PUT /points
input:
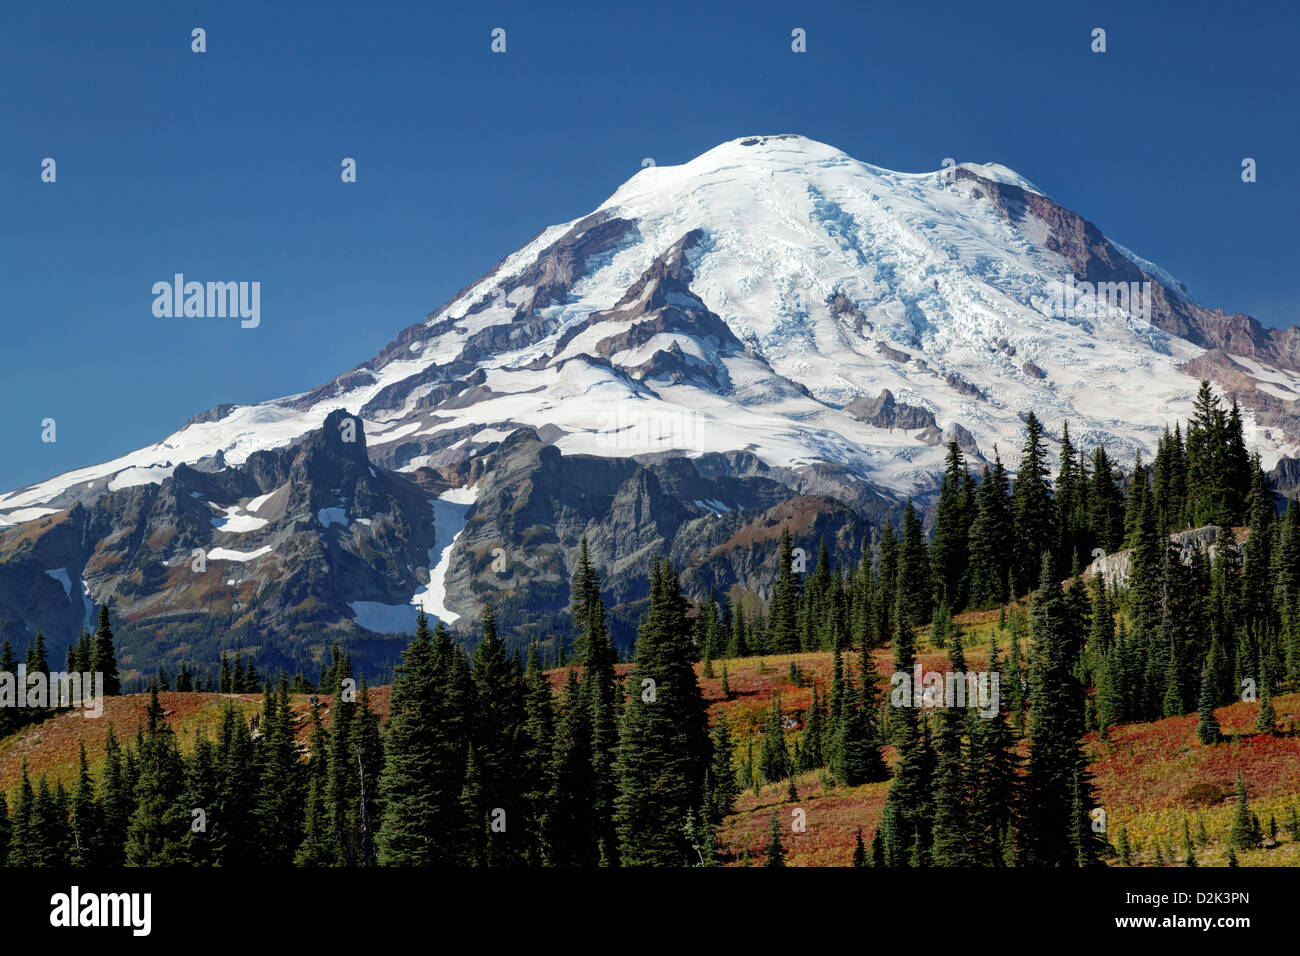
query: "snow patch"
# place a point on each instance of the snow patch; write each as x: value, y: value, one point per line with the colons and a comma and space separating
x: 228, y: 554
x: 331, y: 516
x: 61, y: 575
x: 146, y: 475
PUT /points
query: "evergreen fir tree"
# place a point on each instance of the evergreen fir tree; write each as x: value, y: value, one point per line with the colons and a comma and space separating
x: 915, y: 592
x: 1033, y: 513
x: 281, y: 796
x: 424, y: 759
x: 664, y: 736
x: 954, y: 515
x: 774, y: 757
x: 1056, y: 779
x: 570, y: 827
x: 723, y: 788
x: 1207, y: 727
x: 87, y: 821
x: 787, y: 595
x: 1266, y: 718
x: 1243, y: 835
x: 103, y: 656
x: 156, y: 834
x: 318, y: 842
x: 774, y: 854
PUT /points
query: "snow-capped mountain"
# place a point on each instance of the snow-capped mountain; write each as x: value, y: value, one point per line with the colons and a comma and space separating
x: 773, y: 310
x: 742, y: 301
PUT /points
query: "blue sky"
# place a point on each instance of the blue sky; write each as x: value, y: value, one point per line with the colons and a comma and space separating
x: 225, y: 165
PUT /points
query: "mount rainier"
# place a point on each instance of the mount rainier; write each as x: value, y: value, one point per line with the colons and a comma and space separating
x: 771, y: 334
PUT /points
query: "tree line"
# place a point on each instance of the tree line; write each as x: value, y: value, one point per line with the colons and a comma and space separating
x: 482, y: 763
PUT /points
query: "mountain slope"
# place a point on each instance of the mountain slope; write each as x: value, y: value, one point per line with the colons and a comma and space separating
x: 772, y: 313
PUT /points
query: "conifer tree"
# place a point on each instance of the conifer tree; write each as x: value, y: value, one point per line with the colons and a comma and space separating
x: 424, y: 758
x: 600, y: 694
x: 908, y: 805
x: 281, y: 796
x: 664, y: 744
x: 118, y: 802
x: 1257, y: 594
x: 993, y: 778
x: 952, y: 796
x: 87, y: 821
x: 342, y: 785
x: 953, y: 518
x: 990, y: 538
x: 1266, y: 718
x: 475, y: 810
x: 24, y: 841
x: 1106, y: 504
x: 317, y: 848
x: 774, y: 756
x: 915, y: 590
x: 1207, y: 727
x: 774, y: 855
x: 723, y: 787
x: 1033, y: 513
x: 156, y: 834
x: 570, y: 823
x: 497, y: 738
x: 103, y: 656
x: 787, y: 596
x: 1055, y: 781
x: 537, y: 746
x: 1243, y: 835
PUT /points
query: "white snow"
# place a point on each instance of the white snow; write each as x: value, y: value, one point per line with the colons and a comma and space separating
x: 19, y: 515
x: 255, y: 504
x: 61, y: 575
x: 149, y: 474
x: 329, y: 516
x: 227, y: 554
x: 88, y: 604
x: 234, y: 521
x: 489, y: 435
x: 449, y: 511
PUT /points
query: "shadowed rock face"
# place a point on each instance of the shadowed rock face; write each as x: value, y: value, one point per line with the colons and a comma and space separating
x: 1285, y: 476
x: 705, y: 514
x: 259, y: 555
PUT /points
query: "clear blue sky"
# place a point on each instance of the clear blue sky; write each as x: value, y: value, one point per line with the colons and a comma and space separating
x: 225, y: 165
